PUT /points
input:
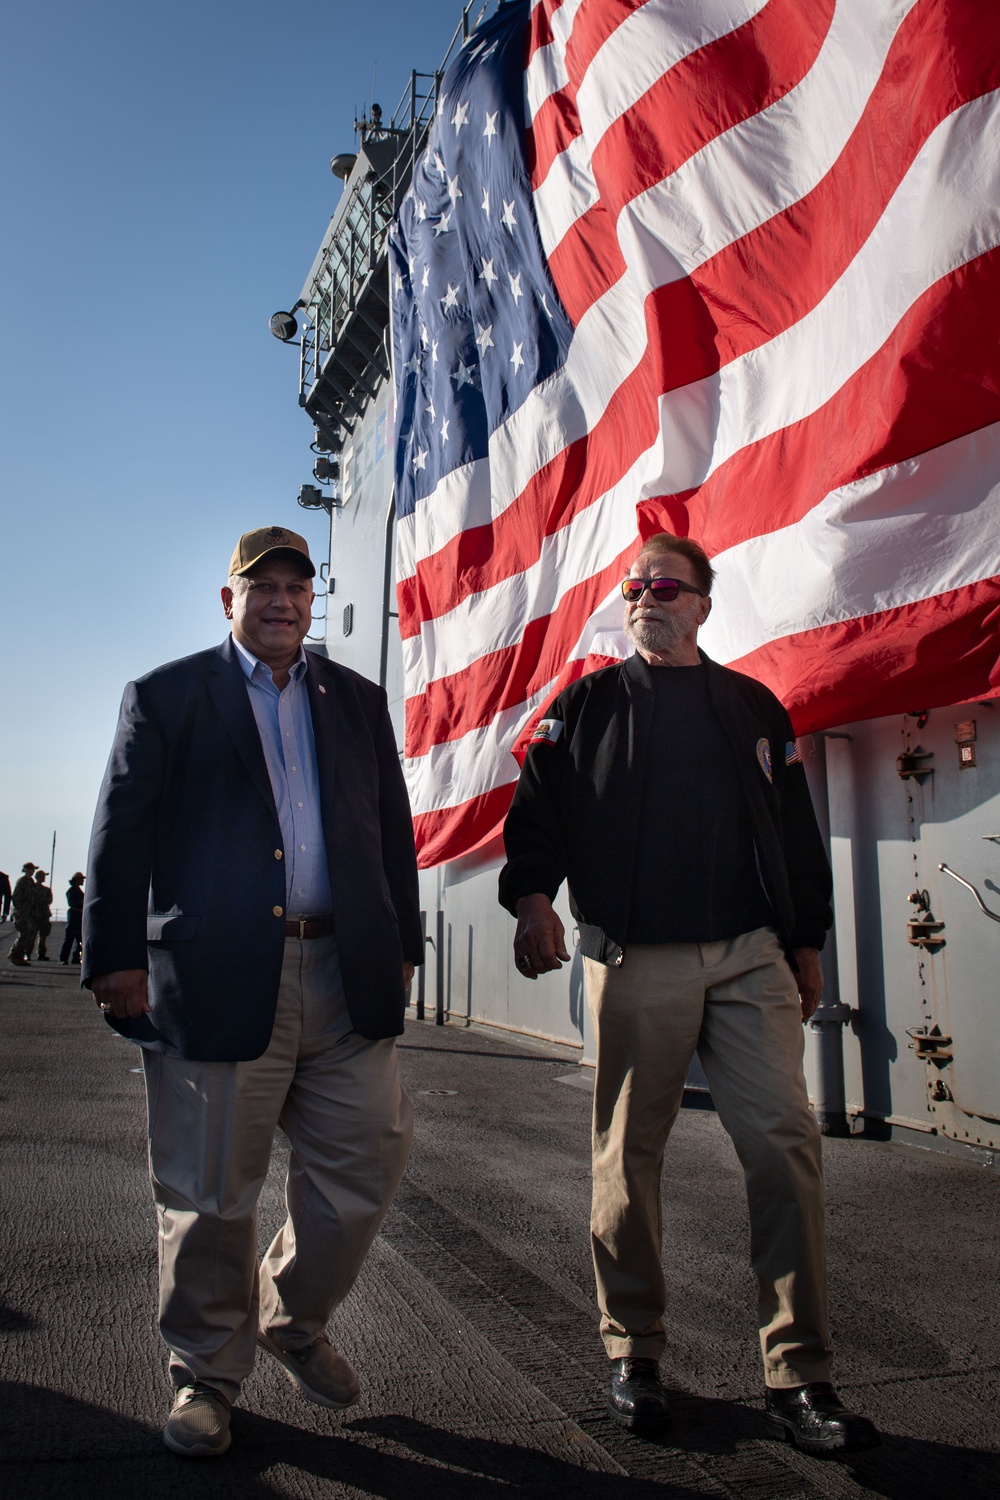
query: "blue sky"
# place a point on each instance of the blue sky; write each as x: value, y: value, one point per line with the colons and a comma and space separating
x: 166, y: 184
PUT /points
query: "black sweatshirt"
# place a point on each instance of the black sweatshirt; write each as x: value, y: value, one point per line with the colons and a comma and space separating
x: 577, y: 813
x: 696, y: 877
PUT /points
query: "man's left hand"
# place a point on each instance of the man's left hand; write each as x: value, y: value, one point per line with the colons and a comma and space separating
x: 809, y: 979
x: 407, y: 973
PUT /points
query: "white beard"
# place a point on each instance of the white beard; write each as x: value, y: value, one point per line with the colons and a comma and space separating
x: 661, y: 634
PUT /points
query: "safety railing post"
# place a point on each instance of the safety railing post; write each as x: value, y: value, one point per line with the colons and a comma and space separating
x: 422, y: 971
x: 439, y: 972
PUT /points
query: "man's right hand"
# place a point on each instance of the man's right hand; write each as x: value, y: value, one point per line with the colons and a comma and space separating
x: 539, y: 939
x: 124, y: 993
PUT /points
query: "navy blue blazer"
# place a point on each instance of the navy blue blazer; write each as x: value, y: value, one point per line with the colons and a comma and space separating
x: 186, y: 875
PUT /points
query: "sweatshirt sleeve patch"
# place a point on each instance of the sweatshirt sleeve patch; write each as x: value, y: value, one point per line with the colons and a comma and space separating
x: 546, y: 731
x: 793, y: 755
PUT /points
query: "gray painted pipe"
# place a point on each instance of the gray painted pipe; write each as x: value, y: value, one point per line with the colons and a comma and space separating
x: 826, y: 1026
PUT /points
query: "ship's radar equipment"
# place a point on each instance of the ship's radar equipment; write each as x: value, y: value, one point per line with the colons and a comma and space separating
x: 342, y: 164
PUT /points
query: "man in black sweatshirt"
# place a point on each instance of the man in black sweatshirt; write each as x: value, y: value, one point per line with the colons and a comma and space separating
x: 670, y: 794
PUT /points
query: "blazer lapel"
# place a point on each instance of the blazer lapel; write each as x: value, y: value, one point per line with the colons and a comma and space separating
x: 322, y: 688
x: 228, y: 690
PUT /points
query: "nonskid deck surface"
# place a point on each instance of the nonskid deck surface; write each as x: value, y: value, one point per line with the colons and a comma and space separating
x: 472, y: 1324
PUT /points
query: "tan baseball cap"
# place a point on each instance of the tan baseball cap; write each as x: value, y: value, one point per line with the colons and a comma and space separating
x: 254, y: 546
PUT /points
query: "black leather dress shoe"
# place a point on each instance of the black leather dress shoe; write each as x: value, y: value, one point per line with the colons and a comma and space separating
x: 814, y: 1418
x: 638, y: 1400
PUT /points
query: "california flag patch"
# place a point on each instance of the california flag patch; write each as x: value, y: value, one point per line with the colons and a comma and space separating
x: 546, y: 731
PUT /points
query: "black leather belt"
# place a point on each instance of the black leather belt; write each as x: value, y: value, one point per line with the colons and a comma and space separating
x: 309, y: 927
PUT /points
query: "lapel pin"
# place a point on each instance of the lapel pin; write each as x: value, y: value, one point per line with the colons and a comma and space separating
x: 321, y: 688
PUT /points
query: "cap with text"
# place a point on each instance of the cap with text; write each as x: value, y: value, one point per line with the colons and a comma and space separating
x: 269, y: 541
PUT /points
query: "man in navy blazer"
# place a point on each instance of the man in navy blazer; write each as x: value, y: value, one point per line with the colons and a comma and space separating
x: 252, y: 922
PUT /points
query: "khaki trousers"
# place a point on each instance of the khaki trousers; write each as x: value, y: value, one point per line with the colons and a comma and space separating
x: 736, y: 1004
x: 338, y: 1099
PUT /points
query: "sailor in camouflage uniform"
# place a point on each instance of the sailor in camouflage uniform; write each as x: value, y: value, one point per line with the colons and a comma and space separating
x: 23, y: 904
x: 43, y: 914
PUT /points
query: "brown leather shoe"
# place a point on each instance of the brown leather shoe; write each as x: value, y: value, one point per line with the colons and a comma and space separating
x: 814, y: 1418
x: 321, y: 1374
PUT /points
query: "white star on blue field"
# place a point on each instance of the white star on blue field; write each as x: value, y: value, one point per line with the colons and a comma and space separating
x: 476, y: 322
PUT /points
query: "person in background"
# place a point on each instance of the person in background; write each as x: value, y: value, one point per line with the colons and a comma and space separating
x: 72, y: 943
x: 5, y: 895
x: 23, y: 907
x: 43, y: 915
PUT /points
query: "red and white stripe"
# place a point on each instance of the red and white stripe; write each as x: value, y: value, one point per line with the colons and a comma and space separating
x: 776, y: 229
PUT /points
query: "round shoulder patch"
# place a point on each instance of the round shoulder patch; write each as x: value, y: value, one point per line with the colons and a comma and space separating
x: 764, y: 756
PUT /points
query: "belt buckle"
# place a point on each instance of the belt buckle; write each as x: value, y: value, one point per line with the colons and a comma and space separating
x: 302, y: 927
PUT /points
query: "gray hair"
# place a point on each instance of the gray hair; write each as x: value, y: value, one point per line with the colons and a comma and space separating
x: 663, y: 543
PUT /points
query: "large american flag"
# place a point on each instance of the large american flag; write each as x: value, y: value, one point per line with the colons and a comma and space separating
x: 728, y: 268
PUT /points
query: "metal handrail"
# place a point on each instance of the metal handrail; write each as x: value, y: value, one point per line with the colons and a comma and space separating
x: 993, y: 916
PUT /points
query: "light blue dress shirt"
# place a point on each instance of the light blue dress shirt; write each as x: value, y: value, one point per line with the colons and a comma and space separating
x: 284, y: 723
